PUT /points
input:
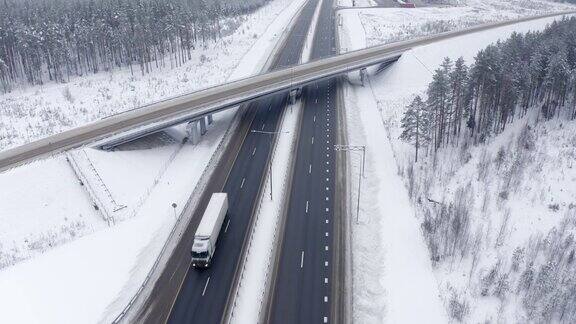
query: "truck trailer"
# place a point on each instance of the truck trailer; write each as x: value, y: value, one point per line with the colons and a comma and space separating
x: 207, y: 232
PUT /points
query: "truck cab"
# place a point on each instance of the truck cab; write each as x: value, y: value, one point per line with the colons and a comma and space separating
x: 201, y: 252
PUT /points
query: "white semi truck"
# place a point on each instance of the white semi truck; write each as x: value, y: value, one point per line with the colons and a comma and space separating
x: 207, y: 232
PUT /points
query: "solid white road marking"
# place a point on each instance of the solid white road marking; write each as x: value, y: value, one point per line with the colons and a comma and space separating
x: 227, y: 224
x: 242, y: 184
x: 205, y: 286
x: 302, y: 260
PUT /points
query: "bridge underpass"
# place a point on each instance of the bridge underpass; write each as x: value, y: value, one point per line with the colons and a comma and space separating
x: 198, y: 126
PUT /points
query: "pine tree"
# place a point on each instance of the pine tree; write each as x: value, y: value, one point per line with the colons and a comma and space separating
x: 458, y: 83
x: 438, y: 103
x: 416, y: 125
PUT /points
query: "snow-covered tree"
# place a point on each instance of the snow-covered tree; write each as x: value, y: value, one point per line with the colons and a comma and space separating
x: 416, y: 125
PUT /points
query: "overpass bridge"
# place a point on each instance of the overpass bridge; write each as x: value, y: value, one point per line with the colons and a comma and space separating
x: 194, y: 106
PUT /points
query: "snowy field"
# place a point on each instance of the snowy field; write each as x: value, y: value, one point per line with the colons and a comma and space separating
x: 384, y: 25
x: 32, y: 112
x: 60, y: 261
x: 393, y: 278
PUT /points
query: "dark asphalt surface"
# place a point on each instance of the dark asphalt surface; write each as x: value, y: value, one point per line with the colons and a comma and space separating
x: 203, y: 294
x: 302, y: 289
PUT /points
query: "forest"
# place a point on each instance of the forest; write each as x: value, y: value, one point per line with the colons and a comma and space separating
x: 536, y: 70
x: 499, y: 231
x: 58, y: 39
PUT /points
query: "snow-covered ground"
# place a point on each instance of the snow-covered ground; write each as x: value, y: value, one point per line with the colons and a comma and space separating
x: 384, y: 25
x: 32, y: 112
x: 43, y: 205
x: 393, y: 279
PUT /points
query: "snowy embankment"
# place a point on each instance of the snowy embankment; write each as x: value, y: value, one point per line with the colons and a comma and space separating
x: 43, y: 205
x: 393, y: 279
x: 258, y: 264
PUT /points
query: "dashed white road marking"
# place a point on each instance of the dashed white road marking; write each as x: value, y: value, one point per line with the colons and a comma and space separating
x: 326, y: 234
x: 325, y: 263
x: 327, y: 209
x: 263, y: 124
x: 326, y: 248
x: 325, y: 280
x: 242, y: 184
x: 306, y: 206
x: 254, y: 152
x: 314, y: 118
x: 312, y: 140
x: 325, y: 299
x: 310, y: 169
x: 302, y: 260
x: 327, y: 221
x: 227, y: 224
x: 325, y: 319
x: 205, y: 286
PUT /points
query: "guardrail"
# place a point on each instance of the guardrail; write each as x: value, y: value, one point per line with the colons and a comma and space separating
x: 85, y: 182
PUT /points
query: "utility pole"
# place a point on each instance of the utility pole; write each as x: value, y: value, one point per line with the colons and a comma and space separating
x: 270, y: 161
x: 361, y: 174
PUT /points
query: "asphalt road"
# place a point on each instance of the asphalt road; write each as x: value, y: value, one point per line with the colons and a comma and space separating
x: 202, y: 295
x: 304, y: 281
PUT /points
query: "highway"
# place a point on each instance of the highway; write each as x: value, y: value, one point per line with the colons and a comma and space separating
x: 187, y: 295
x: 302, y: 288
x: 200, y: 103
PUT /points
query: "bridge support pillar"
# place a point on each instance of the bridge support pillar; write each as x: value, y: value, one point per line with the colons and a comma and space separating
x: 193, y: 131
x: 202, y: 126
x: 363, y: 74
x: 210, y: 119
x: 294, y: 95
